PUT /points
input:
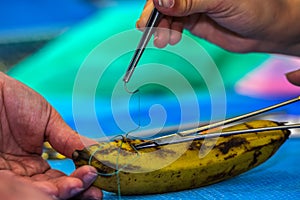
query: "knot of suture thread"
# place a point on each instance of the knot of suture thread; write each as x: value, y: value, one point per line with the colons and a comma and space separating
x: 123, y: 139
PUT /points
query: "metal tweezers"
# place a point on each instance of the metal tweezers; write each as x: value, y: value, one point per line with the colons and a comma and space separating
x: 150, y: 27
x: 195, y: 134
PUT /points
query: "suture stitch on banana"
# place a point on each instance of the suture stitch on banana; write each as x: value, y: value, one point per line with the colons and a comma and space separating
x: 123, y: 138
x: 117, y: 162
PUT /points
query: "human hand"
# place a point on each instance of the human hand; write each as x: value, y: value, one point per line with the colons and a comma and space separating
x: 13, y: 189
x: 238, y: 26
x: 27, y: 120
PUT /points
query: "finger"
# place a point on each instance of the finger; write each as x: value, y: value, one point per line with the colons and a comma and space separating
x: 90, y: 193
x: 68, y: 187
x: 184, y: 7
x: 56, y: 183
x: 87, y: 174
x: 162, y: 33
x: 79, y: 181
x: 141, y: 22
x: 60, y: 188
x: 294, y: 77
x: 62, y: 138
x: 176, y: 31
x: 46, y: 187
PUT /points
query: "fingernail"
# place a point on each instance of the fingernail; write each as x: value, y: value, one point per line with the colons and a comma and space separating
x: 166, y: 3
x: 54, y: 197
x: 76, y: 191
x: 89, y: 177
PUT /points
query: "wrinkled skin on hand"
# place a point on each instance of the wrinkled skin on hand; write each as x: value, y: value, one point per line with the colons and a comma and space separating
x: 13, y: 189
x: 27, y: 120
x: 238, y: 26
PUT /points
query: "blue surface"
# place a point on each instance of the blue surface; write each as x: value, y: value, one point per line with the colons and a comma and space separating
x: 31, y: 19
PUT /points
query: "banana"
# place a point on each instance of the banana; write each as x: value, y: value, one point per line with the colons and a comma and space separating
x: 50, y: 154
x: 124, y: 170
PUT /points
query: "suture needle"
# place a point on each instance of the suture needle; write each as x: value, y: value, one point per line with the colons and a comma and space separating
x: 149, y: 30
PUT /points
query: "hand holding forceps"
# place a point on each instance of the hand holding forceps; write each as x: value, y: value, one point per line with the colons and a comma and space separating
x: 150, y: 26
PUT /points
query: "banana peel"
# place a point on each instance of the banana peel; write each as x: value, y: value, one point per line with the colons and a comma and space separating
x: 175, y: 167
x: 50, y: 154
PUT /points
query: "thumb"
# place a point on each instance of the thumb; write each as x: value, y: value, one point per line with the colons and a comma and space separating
x: 182, y: 8
x: 62, y: 138
x: 294, y: 77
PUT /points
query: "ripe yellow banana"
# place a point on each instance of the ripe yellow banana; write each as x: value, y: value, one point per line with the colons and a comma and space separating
x: 179, y: 166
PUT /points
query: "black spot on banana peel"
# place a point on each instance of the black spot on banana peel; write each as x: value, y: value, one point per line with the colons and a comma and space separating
x: 180, y: 166
x: 224, y: 147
